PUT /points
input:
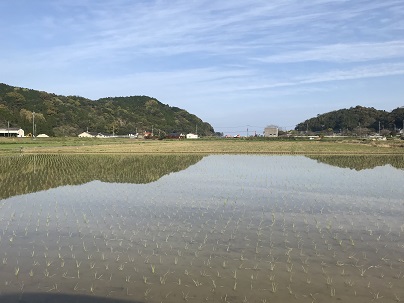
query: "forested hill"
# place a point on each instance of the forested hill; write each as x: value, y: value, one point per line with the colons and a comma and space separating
x: 362, y: 119
x: 57, y: 115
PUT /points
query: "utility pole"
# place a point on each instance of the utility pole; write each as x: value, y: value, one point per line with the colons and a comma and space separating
x: 152, y: 130
x: 379, y: 128
x: 33, y: 125
x: 8, y: 128
x: 247, y: 132
x: 196, y: 129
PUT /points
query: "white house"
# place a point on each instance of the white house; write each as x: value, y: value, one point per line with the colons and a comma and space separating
x: 192, y: 136
x: 12, y: 132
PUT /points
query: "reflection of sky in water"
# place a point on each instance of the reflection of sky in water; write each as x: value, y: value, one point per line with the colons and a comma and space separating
x: 229, y: 175
x: 233, y: 176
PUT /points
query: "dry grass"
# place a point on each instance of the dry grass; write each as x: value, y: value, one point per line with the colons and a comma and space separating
x: 217, y: 147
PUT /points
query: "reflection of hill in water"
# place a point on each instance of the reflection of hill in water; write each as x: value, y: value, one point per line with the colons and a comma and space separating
x: 361, y: 162
x: 32, y: 173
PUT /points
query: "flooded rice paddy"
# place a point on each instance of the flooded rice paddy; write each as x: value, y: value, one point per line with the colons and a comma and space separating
x: 221, y: 228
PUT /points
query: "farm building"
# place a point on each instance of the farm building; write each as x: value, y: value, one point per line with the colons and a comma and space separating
x: 271, y: 131
x: 104, y: 135
x: 12, y: 132
x: 88, y: 135
x: 192, y: 136
x: 175, y: 136
x: 147, y: 135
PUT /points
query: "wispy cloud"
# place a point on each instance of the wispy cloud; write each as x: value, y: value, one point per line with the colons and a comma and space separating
x: 341, y: 53
x: 220, y: 52
x: 372, y: 71
x: 126, y: 30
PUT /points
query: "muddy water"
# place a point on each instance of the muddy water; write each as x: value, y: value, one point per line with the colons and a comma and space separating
x: 227, y: 229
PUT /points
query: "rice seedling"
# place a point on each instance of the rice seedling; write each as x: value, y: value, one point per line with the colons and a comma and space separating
x: 16, y: 271
x: 185, y: 296
x: 376, y: 296
x: 274, y: 287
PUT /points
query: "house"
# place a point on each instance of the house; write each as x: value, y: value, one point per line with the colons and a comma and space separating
x: 88, y: 135
x: 192, y: 136
x: 103, y: 135
x: 12, y: 132
x: 175, y: 136
x: 147, y: 135
x: 271, y: 131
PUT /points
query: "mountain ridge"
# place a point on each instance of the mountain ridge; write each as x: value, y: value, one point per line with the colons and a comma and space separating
x: 59, y: 115
x: 357, y: 119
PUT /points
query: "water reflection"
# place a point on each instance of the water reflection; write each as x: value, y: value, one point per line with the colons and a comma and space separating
x: 32, y: 173
x: 359, y: 162
x: 228, y: 229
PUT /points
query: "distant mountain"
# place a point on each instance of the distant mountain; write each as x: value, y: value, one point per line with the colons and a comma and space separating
x: 358, y: 119
x: 58, y: 115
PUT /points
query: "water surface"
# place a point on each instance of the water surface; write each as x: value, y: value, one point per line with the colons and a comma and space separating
x: 208, y: 229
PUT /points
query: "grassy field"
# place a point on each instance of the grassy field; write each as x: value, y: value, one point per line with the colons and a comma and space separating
x: 205, y: 146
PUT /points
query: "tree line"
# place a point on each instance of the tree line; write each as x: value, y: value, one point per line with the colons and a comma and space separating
x: 359, y: 120
x: 58, y: 115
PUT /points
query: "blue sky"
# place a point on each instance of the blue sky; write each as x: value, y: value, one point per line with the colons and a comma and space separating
x: 236, y: 64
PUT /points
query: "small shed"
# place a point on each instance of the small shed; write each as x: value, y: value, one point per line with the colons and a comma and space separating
x: 192, y: 136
